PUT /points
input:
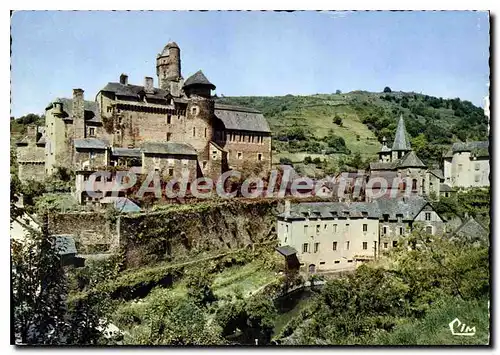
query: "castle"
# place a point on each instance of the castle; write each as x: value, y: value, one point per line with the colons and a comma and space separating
x: 174, y: 129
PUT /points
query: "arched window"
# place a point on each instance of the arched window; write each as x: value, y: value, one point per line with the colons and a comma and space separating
x: 414, y: 185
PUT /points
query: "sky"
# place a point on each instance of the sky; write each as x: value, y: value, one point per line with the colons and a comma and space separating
x: 443, y: 54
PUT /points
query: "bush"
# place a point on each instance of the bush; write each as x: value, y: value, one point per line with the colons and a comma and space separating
x: 285, y: 161
x: 308, y: 160
x: 337, y: 120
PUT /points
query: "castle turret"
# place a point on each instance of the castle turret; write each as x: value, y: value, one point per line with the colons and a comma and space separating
x: 198, y: 84
x: 401, y: 143
x: 168, y: 67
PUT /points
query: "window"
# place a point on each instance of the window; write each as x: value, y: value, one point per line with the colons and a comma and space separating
x: 92, y: 131
x: 322, y: 263
x: 318, y: 229
x: 477, y: 178
x: 386, y: 217
x: 347, y: 245
x: 204, y: 164
x: 169, y: 136
x: 259, y: 157
x: 428, y: 229
x: 194, y: 131
x: 399, y: 217
x: 194, y: 110
x: 385, y: 245
x: 365, y: 227
x: 316, y: 247
x: 347, y: 227
x: 92, y: 155
x: 325, y: 226
x: 240, y: 155
x: 446, y: 194
x: 304, y: 247
x: 427, y: 216
x: 349, y: 261
x: 109, y: 109
x: 365, y: 245
x: 334, y: 245
x: 205, y: 133
x: 384, y: 230
x: 400, y: 230
x: 305, y: 229
x: 169, y: 119
x: 334, y: 228
x: 337, y: 261
x: 414, y: 185
x: 170, y: 172
x: 394, y: 243
x: 476, y: 166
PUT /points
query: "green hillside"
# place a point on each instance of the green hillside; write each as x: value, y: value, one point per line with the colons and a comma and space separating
x: 301, y: 125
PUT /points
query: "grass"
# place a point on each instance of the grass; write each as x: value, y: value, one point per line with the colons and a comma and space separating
x: 245, y: 279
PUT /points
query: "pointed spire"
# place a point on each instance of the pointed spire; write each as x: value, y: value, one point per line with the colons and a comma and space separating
x: 401, y: 141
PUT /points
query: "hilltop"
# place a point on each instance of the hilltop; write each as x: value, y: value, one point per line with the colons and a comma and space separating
x: 320, y: 124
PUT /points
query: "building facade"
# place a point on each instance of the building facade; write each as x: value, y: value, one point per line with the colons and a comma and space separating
x: 171, y: 128
x: 467, y: 165
x: 329, y: 236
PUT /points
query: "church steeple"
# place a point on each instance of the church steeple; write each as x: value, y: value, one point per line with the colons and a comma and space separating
x: 401, y: 143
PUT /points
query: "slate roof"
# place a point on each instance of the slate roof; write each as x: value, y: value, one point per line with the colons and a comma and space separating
x: 198, y: 78
x: 121, y: 204
x: 286, y: 250
x: 169, y: 148
x: 65, y: 244
x: 410, y: 160
x: 401, y: 141
x: 92, y: 113
x: 90, y: 143
x: 383, y: 166
x: 241, y: 119
x: 409, y: 209
x: 437, y: 173
x: 445, y: 188
x: 470, y: 146
x: 385, y: 149
x: 134, y: 90
x: 332, y: 209
x: 471, y: 228
x: 127, y: 152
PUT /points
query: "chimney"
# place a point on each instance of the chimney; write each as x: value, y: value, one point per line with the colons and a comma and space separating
x: 124, y: 79
x: 148, y: 85
x: 287, y: 207
x: 78, y: 113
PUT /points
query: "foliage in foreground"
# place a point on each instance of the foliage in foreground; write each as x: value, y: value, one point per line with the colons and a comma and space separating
x: 374, y: 301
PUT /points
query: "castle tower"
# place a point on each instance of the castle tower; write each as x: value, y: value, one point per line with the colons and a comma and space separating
x: 401, y: 143
x: 168, y: 68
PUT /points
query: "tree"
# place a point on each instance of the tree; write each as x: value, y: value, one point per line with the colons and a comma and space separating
x: 38, y: 290
x: 308, y: 160
x: 199, y: 284
x: 387, y: 89
x: 285, y: 161
x: 337, y: 120
x: 338, y: 92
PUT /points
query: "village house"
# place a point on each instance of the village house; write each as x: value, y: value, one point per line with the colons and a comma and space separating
x: 329, y: 236
x: 467, y: 165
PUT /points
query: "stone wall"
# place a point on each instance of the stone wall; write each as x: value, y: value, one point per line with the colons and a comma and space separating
x: 177, y: 234
x: 195, y: 230
x: 94, y: 232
